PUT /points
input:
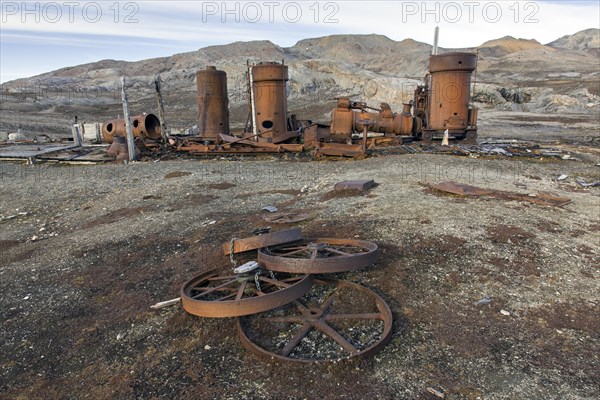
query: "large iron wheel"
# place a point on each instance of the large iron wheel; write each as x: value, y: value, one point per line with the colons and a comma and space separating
x: 223, y: 294
x: 319, y: 256
x: 333, y: 321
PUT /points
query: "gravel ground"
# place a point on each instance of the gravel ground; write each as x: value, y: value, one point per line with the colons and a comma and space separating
x: 85, y: 250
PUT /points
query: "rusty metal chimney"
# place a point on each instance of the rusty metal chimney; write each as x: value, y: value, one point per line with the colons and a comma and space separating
x: 436, y: 36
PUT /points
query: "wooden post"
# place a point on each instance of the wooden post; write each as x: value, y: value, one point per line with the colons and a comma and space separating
x: 161, y: 109
x: 98, y: 133
x: 76, y: 135
x: 128, y: 130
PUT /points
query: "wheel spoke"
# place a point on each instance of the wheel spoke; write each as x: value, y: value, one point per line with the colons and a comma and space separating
x: 332, y: 250
x: 230, y: 296
x: 273, y: 282
x: 292, y: 252
x: 241, y: 291
x: 332, y: 333
x: 214, y: 289
x: 292, y: 319
x: 291, y: 345
x: 328, y: 301
x: 221, y: 278
x: 300, y: 306
x: 353, y: 316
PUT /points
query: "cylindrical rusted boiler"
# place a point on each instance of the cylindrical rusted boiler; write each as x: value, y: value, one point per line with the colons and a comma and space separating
x: 146, y: 126
x: 213, y: 103
x: 450, y: 91
x: 269, y: 98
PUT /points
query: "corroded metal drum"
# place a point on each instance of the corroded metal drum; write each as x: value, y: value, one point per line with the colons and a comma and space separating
x: 270, y: 98
x: 213, y: 103
x: 450, y: 90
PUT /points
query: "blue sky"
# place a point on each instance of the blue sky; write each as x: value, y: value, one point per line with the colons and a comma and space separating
x: 37, y: 37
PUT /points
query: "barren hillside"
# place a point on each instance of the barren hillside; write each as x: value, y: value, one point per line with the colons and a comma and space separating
x: 562, y: 76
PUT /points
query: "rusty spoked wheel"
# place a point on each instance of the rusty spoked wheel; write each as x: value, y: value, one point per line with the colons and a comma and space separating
x: 217, y: 294
x: 333, y: 321
x: 319, y: 256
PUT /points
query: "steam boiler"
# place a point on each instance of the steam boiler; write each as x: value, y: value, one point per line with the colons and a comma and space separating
x: 268, y: 100
x: 443, y: 102
x: 213, y: 103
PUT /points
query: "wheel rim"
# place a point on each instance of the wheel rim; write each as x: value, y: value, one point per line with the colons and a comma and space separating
x: 319, y: 256
x: 348, y: 321
x: 216, y: 293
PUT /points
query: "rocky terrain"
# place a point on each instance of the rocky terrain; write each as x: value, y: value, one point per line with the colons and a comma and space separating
x: 561, y: 77
x: 491, y: 299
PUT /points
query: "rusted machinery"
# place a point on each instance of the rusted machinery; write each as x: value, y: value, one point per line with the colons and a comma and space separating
x: 443, y: 102
x: 275, y: 294
x: 213, y: 103
x: 346, y: 117
x: 268, y: 101
x: 145, y: 126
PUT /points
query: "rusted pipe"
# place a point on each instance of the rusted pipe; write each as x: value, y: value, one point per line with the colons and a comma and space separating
x: 145, y: 125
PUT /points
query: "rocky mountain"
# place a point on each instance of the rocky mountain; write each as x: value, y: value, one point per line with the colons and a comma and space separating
x: 562, y: 76
x: 587, y: 40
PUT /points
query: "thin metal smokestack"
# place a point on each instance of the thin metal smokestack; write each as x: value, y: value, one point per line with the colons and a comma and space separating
x: 435, y: 40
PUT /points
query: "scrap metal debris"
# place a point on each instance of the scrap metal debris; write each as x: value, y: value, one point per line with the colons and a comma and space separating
x: 262, y: 240
x: 360, y: 185
x: 461, y: 189
x: 286, y: 217
x: 591, y: 184
x: 326, y: 307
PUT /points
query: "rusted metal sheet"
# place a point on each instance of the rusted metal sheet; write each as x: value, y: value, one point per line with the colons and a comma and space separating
x: 339, y: 149
x: 221, y: 294
x: 468, y: 190
x: 213, y: 103
x: 361, y: 332
x: 461, y: 189
x: 319, y: 256
x: 361, y: 185
x: 145, y: 125
x: 267, y: 239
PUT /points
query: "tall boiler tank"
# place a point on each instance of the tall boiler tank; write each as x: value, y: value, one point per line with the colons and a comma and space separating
x: 269, y: 98
x: 213, y: 103
x: 450, y: 93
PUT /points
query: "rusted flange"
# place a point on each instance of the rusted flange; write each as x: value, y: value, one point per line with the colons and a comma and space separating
x: 286, y: 217
x: 319, y: 256
x: 267, y: 239
x: 335, y: 320
x: 222, y: 294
